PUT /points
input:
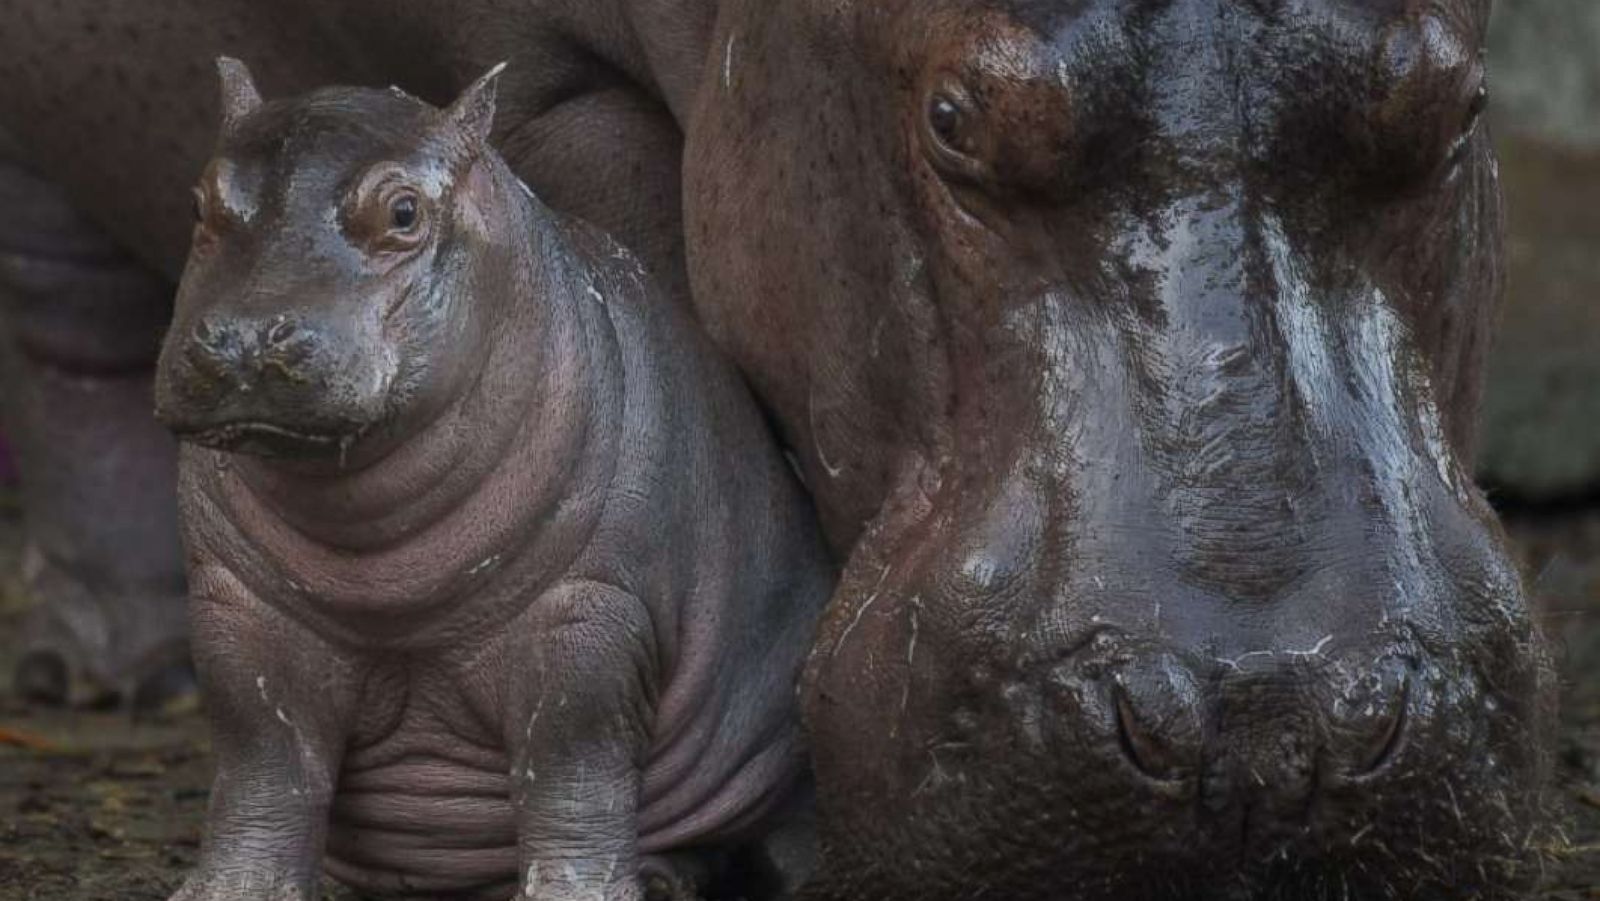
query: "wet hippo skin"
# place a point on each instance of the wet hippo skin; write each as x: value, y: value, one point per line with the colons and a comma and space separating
x: 498, y: 583
x: 1131, y: 351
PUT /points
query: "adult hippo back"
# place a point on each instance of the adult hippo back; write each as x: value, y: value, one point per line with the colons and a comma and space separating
x: 1131, y: 349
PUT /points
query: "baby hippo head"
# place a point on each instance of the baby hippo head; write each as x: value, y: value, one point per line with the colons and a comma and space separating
x: 341, y: 240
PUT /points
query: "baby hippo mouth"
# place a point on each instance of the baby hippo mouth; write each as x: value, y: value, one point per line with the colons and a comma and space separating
x: 307, y: 401
x: 267, y: 439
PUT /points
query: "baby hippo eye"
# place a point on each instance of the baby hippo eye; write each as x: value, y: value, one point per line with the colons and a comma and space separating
x: 387, y: 212
x: 403, y: 212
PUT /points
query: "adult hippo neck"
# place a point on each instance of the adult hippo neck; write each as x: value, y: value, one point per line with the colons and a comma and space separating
x: 1132, y: 351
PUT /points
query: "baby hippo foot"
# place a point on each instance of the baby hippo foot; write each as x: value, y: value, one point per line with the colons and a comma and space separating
x: 580, y: 881
x: 242, y: 886
x: 670, y: 877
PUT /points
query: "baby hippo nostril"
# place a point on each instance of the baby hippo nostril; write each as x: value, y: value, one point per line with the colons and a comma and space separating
x: 213, y: 352
x: 280, y: 332
x: 286, y: 344
x: 214, y: 339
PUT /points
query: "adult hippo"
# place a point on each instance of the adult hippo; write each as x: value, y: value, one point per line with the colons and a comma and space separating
x: 1131, y: 349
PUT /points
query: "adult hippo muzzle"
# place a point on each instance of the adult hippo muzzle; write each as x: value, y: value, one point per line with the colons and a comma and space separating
x: 1134, y: 348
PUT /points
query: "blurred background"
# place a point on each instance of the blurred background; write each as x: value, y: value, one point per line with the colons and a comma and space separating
x: 1540, y: 450
x: 97, y: 806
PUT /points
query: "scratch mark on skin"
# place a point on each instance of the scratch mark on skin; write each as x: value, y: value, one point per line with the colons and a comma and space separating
x: 911, y: 656
x: 1455, y: 805
x: 876, y: 589
x: 595, y: 294
x: 527, y: 739
x: 1314, y: 651
x: 816, y: 439
x: 484, y: 565
x: 727, y: 63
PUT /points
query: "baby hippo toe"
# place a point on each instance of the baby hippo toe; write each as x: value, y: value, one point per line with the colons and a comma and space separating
x: 242, y: 886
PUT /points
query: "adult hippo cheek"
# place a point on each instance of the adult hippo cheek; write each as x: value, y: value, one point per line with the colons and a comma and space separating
x: 1134, y: 351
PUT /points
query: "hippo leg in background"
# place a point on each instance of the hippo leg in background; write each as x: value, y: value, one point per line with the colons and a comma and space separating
x: 80, y: 325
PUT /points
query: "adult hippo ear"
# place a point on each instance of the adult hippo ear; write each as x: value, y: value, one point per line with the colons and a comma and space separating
x: 239, y: 95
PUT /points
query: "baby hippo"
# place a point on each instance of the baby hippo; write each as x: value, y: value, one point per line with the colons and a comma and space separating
x: 499, y: 582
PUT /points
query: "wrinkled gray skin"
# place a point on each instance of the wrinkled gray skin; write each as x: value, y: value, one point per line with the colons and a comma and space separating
x: 1139, y: 392
x: 497, y: 580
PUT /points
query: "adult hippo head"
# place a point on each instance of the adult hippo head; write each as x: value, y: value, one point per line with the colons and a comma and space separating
x: 1132, y: 348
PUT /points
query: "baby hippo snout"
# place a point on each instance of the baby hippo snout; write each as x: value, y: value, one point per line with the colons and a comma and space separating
x: 228, y: 352
x: 268, y: 384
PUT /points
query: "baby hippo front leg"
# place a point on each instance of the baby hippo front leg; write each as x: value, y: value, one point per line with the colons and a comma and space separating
x: 583, y: 674
x: 276, y: 696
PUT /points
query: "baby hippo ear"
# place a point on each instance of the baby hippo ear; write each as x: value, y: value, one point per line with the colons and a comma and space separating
x: 473, y: 111
x: 239, y: 95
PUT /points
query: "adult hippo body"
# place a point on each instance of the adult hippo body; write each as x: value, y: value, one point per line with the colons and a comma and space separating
x: 1131, y: 351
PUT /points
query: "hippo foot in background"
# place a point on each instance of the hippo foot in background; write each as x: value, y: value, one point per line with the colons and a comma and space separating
x: 81, y: 327
x: 86, y: 648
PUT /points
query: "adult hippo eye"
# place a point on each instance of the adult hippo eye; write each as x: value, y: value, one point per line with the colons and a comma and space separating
x: 944, y: 117
x: 951, y: 130
x: 1480, y: 105
x: 1469, y: 125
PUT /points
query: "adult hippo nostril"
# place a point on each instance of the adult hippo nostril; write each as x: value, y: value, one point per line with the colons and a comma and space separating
x: 1371, y: 724
x: 1159, y: 713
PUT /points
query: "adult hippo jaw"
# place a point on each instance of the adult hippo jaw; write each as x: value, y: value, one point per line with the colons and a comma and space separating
x: 319, y: 341
x: 1137, y: 363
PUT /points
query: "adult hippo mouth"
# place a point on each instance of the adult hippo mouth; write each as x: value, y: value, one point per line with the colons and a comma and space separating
x: 1135, y: 369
